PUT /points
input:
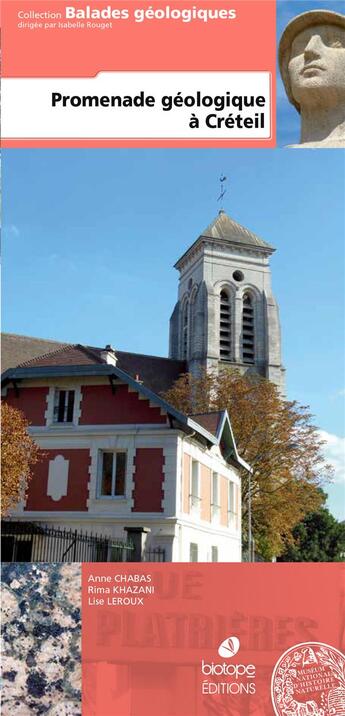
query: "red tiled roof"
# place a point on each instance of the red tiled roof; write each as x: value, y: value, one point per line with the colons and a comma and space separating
x: 155, y: 372
x: 67, y: 355
x: 16, y: 349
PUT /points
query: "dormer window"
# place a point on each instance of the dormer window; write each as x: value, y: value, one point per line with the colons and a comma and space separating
x: 63, y: 406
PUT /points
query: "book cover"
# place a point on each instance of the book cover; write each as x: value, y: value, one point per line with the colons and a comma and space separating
x: 173, y: 528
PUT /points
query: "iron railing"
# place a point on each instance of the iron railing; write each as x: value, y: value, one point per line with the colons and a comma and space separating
x: 157, y: 554
x: 32, y: 542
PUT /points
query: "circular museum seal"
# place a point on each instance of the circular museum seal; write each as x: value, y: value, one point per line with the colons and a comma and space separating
x: 309, y: 680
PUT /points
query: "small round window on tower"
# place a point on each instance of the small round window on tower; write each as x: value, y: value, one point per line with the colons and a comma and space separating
x: 238, y: 276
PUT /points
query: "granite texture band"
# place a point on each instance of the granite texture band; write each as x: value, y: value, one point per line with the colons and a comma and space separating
x: 41, y: 632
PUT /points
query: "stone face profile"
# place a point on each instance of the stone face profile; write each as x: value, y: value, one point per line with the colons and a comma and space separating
x: 312, y: 66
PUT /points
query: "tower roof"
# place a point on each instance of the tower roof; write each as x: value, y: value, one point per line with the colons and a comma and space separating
x: 227, y: 229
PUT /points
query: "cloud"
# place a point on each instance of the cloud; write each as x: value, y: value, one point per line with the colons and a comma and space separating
x: 61, y: 263
x: 334, y: 452
x: 338, y: 394
x: 11, y: 230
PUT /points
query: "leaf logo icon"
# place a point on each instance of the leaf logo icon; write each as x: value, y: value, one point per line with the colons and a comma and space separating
x: 229, y: 647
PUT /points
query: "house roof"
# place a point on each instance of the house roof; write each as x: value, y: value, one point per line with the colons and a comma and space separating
x: 209, y: 421
x: 17, y: 349
x: 75, y: 359
x: 66, y: 355
x: 156, y: 372
x: 218, y: 424
x: 224, y: 228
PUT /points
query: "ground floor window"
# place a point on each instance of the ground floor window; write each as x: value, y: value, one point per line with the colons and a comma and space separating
x: 193, y: 552
x: 214, y: 554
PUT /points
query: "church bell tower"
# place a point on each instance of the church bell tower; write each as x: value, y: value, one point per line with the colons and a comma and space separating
x: 226, y: 313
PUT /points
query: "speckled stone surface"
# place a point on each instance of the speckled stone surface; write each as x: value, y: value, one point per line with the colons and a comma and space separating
x: 41, y: 639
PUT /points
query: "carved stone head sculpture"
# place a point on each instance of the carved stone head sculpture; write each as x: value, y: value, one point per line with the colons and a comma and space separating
x: 312, y: 66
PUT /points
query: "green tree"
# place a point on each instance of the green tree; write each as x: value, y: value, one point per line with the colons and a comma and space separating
x: 276, y: 437
x: 319, y: 537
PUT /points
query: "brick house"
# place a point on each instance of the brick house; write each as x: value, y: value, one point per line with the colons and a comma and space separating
x: 120, y: 460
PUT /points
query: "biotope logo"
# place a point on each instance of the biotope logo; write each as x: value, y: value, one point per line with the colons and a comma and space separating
x: 229, y: 647
x: 240, y: 677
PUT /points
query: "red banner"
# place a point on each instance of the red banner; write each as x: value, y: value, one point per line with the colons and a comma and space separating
x: 176, y: 640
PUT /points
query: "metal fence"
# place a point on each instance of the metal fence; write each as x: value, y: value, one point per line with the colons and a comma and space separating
x: 157, y: 554
x: 31, y: 542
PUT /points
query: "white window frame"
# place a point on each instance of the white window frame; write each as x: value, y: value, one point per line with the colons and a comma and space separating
x: 195, y: 499
x: 232, y: 513
x: 113, y: 477
x: 57, y: 393
x: 51, y: 401
x: 215, y: 499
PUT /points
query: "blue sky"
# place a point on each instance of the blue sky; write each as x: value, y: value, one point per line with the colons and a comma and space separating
x: 288, y: 122
x: 91, y: 236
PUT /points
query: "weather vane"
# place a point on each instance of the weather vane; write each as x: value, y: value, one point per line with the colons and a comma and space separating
x: 222, y: 180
